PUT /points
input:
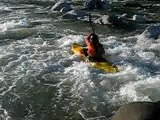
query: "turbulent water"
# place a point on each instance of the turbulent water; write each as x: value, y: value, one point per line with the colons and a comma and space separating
x: 41, y: 80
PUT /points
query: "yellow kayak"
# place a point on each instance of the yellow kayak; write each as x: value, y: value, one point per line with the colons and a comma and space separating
x: 105, y: 66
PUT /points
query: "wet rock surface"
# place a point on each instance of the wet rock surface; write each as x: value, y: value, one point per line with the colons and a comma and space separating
x: 138, y: 111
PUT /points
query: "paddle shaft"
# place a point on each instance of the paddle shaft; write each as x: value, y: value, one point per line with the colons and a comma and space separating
x: 90, y: 20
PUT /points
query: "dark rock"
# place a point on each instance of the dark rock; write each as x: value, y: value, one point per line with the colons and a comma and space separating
x: 132, y: 4
x: 140, y: 18
x: 110, y: 19
x: 152, y: 31
x: 65, y: 9
x: 96, y: 4
x: 138, y: 111
x: 118, y: 21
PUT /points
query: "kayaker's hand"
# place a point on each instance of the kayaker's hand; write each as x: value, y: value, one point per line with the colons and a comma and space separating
x: 87, y: 58
x: 84, y: 47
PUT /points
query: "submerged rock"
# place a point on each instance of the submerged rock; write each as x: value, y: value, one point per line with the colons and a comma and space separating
x: 75, y: 14
x: 138, y: 111
x: 152, y: 31
x: 93, y: 4
x: 62, y: 6
x: 140, y: 18
x: 96, y: 4
x: 132, y: 4
x: 118, y: 21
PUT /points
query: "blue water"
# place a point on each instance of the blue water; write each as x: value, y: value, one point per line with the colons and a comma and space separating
x: 41, y: 80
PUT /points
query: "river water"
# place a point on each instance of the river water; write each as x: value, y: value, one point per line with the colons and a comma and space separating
x: 41, y: 80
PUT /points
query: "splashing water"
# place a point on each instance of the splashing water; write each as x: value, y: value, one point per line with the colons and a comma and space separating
x: 41, y: 79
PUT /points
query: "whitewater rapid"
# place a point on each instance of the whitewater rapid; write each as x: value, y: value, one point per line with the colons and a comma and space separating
x: 39, y: 76
x: 138, y: 79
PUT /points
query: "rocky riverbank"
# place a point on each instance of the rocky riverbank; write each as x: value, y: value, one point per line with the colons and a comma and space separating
x: 123, y: 15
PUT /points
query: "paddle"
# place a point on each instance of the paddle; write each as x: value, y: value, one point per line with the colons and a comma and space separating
x: 90, y: 20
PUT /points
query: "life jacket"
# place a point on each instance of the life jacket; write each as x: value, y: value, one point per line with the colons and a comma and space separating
x: 94, y: 50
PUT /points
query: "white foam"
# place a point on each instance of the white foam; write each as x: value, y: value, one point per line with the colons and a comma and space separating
x: 155, y: 46
x: 146, y: 55
x: 78, y: 68
x: 138, y: 91
x: 23, y: 23
x: 6, y: 25
x: 66, y: 41
x: 84, y: 84
x: 4, y: 114
x: 5, y: 8
x: 13, y: 24
x: 146, y: 43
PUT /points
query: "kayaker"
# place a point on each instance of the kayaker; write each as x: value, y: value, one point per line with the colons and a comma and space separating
x: 94, y: 50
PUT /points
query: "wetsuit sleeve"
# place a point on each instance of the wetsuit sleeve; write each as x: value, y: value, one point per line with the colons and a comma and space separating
x: 102, y: 49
